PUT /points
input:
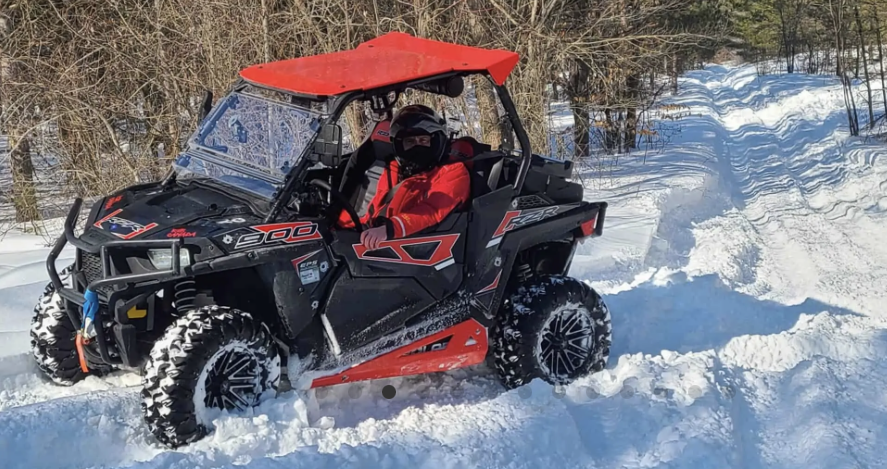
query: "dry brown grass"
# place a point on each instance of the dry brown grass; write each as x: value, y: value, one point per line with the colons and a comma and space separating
x: 117, y: 82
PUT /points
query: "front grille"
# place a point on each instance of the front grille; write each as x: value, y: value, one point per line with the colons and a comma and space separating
x: 91, y: 266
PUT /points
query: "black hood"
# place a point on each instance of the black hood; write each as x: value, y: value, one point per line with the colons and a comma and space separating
x: 184, y: 211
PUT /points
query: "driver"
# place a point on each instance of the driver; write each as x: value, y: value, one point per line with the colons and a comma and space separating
x: 416, y: 190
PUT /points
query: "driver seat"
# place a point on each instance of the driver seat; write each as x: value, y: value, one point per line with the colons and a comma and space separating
x: 364, y: 168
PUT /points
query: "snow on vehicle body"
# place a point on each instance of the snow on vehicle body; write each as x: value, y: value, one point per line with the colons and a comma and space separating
x: 212, y: 276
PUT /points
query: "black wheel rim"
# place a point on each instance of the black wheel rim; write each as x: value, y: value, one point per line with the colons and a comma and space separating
x: 231, y: 380
x: 565, y: 342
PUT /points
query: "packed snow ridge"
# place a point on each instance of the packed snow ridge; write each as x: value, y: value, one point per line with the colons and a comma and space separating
x: 745, y: 268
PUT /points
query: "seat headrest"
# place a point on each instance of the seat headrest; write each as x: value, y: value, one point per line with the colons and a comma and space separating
x: 463, y: 149
x: 381, y: 132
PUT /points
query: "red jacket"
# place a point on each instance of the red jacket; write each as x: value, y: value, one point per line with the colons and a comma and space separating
x: 421, y: 201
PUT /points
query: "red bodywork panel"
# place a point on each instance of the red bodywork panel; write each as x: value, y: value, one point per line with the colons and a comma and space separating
x: 443, y: 250
x: 386, y: 60
x: 467, y: 345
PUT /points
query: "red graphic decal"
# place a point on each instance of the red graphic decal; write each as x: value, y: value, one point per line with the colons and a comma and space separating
x: 299, y: 260
x: 113, y: 201
x: 180, y: 233
x: 493, y: 286
x: 287, y: 233
x: 98, y: 224
x: 137, y: 232
x: 518, y: 218
x: 442, y: 252
x: 466, y: 346
x: 506, y: 225
x: 116, y: 222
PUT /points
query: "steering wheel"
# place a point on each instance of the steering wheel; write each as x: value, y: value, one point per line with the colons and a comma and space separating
x: 346, y: 205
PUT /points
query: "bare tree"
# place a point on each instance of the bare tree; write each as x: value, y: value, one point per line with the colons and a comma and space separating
x: 836, y: 10
x: 865, y: 65
x: 881, y: 58
x: 118, y: 83
x: 21, y: 166
x: 790, y: 13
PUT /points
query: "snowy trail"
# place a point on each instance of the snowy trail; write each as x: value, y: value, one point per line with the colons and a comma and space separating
x: 745, y: 271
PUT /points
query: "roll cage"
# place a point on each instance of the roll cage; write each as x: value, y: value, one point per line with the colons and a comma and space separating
x: 295, y: 179
x: 391, y: 63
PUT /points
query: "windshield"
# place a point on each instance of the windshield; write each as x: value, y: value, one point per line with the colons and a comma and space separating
x: 250, y: 142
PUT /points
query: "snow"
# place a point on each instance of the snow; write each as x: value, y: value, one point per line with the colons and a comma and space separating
x: 744, y: 266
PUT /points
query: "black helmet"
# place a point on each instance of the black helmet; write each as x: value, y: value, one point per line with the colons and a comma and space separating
x: 415, y: 120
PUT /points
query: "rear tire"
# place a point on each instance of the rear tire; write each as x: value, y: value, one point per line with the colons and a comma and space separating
x: 555, y: 328
x: 213, y: 357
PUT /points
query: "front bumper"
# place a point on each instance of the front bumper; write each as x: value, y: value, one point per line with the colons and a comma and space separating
x: 122, y: 287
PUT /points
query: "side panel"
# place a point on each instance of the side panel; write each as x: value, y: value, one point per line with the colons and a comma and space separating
x: 361, y: 310
x: 462, y: 345
x: 439, y: 316
x: 299, y: 284
x: 433, y: 259
x: 486, y: 213
x: 291, y: 282
x: 518, y: 229
x: 497, y: 214
x: 565, y: 220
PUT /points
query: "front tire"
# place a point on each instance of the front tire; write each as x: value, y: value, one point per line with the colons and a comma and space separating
x: 555, y: 328
x: 213, y: 357
x: 53, y: 338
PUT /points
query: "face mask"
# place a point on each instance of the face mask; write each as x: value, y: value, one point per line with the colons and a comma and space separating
x: 417, y: 159
x: 419, y: 156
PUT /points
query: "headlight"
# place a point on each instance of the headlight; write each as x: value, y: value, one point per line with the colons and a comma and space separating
x: 162, y: 258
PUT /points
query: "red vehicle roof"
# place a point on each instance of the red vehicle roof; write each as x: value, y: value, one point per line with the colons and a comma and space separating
x: 386, y: 60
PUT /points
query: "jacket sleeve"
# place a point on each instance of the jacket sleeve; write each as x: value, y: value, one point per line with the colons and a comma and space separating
x: 450, y: 188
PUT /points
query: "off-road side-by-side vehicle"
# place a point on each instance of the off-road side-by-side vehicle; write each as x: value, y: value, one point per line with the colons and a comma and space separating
x: 211, y: 279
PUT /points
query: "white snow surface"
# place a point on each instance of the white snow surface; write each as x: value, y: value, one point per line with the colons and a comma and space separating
x: 745, y: 268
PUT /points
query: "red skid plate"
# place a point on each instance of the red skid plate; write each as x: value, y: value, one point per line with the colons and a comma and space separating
x: 462, y: 345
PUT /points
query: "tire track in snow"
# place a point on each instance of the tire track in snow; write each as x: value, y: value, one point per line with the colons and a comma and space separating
x: 23, y: 384
x: 773, y: 176
x: 745, y: 429
x: 425, y: 425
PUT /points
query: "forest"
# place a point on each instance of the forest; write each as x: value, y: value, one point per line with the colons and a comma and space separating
x: 96, y: 95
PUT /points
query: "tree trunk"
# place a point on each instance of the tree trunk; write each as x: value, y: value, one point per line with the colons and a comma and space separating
x: 839, y: 55
x: 675, y: 72
x: 632, y: 84
x: 880, y: 57
x: 610, y: 131
x: 812, y: 67
x: 865, y: 66
x: 24, y: 197
x: 789, y: 63
x: 837, y: 16
x: 488, y: 106
x: 856, y: 62
x: 579, y: 94
x: 827, y: 60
